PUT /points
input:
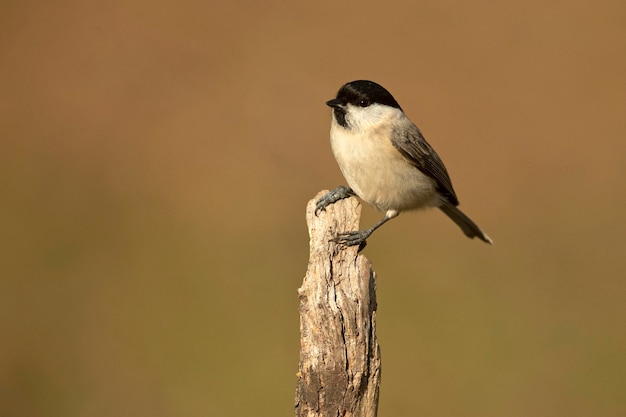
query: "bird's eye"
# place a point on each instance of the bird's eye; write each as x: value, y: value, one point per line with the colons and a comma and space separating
x: 364, y: 102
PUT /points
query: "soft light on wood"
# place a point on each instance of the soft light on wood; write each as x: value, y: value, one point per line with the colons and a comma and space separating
x: 339, y: 369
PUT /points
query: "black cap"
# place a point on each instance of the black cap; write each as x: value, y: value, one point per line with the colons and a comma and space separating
x: 363, y: 93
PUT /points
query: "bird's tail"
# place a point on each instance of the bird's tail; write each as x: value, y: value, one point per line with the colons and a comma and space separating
x: 465, y: 223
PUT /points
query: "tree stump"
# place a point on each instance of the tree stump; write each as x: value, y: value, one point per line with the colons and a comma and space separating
x: 339, y: 368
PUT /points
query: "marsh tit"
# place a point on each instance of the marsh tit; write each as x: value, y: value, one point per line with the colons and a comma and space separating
x: 386, y: 161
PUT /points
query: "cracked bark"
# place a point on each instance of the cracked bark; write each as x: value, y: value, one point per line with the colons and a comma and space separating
x: 339, y: 368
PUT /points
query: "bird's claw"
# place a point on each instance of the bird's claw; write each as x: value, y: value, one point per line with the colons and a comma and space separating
x: 321, y: 205
x: 351, y: 238
x: 332, y: 197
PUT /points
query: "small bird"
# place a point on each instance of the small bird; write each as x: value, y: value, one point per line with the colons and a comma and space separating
x: 386, y: 161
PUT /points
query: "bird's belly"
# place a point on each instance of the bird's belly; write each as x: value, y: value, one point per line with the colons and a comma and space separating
x: 380, y: 175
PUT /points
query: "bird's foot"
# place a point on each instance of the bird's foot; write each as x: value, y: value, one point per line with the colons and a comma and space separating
x: 332, y: 197
x: 352, y: 238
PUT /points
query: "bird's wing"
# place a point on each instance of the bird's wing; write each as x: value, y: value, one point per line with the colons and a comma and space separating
x: 412, y: 145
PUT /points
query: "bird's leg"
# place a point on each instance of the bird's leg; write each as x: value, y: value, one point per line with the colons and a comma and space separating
x: 358, y: 237
x: 333, y: 196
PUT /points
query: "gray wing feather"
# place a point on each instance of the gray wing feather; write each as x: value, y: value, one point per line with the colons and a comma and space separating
x: 412, y: 145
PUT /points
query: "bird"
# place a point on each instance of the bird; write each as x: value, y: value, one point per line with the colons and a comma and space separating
x: 386, y: 161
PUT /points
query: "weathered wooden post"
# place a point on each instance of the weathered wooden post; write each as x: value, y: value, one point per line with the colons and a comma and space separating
x: 339, y: 369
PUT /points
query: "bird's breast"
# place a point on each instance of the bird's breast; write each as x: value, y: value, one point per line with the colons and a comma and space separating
x: 378, y: 173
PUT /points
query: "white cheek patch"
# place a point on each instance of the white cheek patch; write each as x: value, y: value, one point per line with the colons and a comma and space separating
x: 362, y: 119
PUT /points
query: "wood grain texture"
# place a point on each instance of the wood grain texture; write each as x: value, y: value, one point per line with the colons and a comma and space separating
x: 339, y: 369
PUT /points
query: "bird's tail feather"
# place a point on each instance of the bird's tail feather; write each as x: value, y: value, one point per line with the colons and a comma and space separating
x: 470, y: 228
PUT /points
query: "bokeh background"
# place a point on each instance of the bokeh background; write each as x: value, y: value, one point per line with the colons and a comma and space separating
x: 156, y: 158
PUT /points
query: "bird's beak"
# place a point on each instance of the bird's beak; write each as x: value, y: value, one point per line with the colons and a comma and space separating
x: 334, y: 103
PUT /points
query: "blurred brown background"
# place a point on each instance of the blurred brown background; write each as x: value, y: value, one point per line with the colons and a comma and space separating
x: 156, y: 158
